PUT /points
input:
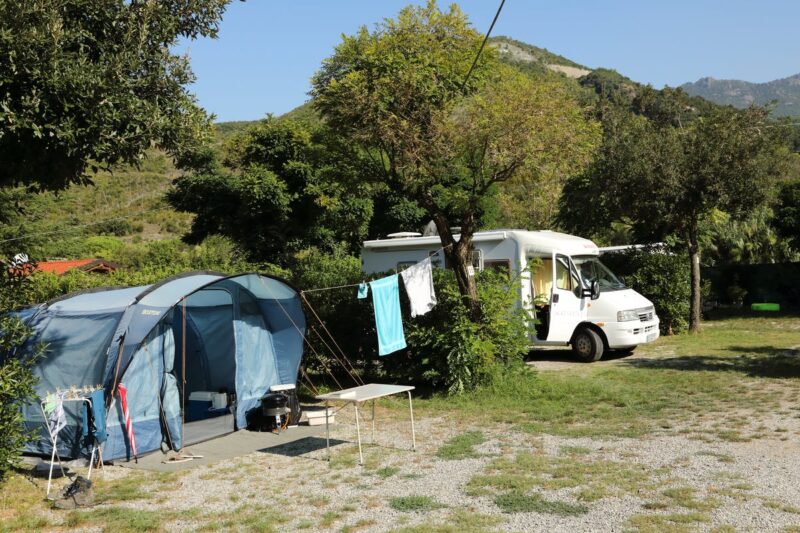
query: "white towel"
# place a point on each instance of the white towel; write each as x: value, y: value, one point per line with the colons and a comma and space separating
x: 418, y: 280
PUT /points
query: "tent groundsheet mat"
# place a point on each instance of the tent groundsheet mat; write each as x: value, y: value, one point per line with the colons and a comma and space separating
x: 234, y: 445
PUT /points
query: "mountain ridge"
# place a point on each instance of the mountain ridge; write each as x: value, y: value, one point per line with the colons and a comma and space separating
x: 783, y: 93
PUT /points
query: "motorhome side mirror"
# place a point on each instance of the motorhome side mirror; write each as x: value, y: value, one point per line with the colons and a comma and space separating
x: 592, y: 292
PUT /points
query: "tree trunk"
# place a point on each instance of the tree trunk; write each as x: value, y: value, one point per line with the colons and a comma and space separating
x: 694, y: 256
x: 459, y: 257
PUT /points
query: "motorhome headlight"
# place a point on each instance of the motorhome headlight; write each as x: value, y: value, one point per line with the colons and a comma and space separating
x: 628, y: 315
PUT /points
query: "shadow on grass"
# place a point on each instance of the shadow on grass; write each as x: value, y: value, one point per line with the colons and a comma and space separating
x: 565, y: 355
x: 753, y: 361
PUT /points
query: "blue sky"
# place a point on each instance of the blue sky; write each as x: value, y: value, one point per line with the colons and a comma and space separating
x: 267, y: 50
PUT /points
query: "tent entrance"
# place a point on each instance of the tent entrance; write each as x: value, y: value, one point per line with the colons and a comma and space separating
x: 210, y: 364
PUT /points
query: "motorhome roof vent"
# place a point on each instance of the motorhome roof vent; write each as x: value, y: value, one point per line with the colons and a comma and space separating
x: 404, y: 234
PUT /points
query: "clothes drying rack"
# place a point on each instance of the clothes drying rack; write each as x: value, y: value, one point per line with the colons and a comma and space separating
x: 73, y: 395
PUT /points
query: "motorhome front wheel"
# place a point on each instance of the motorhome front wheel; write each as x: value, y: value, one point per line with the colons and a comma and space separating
x: 587, y: 345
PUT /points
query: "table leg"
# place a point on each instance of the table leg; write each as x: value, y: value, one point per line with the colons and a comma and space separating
x: 50, y: 475
x: 358, y: 434
x: 373, y: 422
x: 327, y: 431
x: 413, y: 434
x: 91, y: 462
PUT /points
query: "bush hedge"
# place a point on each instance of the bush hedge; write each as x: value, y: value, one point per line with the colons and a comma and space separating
x: 661, y: 276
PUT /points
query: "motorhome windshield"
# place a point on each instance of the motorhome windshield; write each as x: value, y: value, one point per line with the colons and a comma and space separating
x: 592, y: 269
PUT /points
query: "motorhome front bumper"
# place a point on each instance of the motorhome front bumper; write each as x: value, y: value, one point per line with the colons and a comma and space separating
x: 631, y: 333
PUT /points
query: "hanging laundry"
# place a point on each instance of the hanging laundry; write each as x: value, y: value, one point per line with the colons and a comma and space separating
x: 418, y: 280
x: 93, y: 423
x: 54, y: 410
x: 363, y: 289
x: 388, y: 319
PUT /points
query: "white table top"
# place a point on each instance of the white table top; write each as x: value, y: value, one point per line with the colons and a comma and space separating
x: 370, y: 391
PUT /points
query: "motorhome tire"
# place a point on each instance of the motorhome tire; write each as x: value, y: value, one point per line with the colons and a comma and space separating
x: 587, y: 345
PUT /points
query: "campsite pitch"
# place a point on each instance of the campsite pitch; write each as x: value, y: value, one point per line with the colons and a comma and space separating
x: 701, y: 434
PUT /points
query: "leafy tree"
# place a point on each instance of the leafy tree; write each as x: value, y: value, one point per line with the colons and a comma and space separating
x: 751, y: 240
x: 666, y: 176
x: 92, y: 82
x: 787, y: 213
x: 280, y: 188
x: 442, y: 140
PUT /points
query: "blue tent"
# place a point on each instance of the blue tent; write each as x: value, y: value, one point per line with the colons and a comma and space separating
x: 214, y: 333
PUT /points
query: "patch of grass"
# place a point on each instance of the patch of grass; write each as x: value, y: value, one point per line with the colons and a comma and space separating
x: 781, y: 506
x: 686, y: 497
x: 318, y: 501
x: 461, y: 446
x: 21, y: 507
x: 594, y: 479
x: 328, y: 518
x: 409, y: 504
x: 361, y: 524
x: 129, y: 488
x: 659, y: 523
x: 520, y: 502
x: 721, y: 457
x: 387, y: 471
x: 245, y: 517
x: 575, y: 450
x: 120, y: 519
x: 459, y: 521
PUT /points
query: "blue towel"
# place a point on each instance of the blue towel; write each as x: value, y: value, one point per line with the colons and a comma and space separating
x: 93, y: 421
x: 388, y: 320
x: 363, y: 289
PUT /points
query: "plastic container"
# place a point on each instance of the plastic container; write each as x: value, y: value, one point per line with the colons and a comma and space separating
x: 219, y: 400
x: 202, y: 396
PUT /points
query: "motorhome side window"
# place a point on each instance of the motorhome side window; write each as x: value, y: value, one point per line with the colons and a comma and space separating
x: 499, y: 265
x: 402, y: 265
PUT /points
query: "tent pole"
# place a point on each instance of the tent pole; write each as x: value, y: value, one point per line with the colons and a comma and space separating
x: 116, y: 373
x: 183, y: 369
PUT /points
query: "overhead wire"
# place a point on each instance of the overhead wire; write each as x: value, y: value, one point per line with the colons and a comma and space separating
x: 79, y: 226
x: 483, y: 44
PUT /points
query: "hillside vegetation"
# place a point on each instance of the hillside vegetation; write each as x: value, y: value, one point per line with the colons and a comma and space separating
x: 127, y: 203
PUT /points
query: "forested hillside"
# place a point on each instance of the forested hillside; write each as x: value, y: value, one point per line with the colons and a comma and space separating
x: 128, y: 205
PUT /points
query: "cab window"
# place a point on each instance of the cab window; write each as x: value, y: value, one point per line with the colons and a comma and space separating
x: 563, y: 278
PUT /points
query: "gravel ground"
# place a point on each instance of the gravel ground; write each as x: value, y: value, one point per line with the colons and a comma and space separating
x: 738, y: 486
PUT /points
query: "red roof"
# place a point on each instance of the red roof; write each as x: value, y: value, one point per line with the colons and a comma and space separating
x: 87, y: 265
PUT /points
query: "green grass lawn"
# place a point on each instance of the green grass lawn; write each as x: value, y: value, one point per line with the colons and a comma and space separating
x: 737, y: 368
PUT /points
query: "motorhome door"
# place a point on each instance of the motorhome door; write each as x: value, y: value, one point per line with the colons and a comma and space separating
x: 567, y: 308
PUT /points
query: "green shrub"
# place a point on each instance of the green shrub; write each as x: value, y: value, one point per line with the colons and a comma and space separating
x: 448, y: 350
x: 662, y: 277
x: 17, y: 384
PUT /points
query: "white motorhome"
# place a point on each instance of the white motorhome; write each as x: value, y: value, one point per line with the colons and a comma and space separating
x: 577, y: 300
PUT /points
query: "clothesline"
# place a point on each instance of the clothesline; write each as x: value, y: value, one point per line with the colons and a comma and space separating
x: 358, y: 284
x: 75, y: 393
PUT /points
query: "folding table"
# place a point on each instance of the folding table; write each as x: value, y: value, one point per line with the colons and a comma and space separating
x: 365, y: 393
